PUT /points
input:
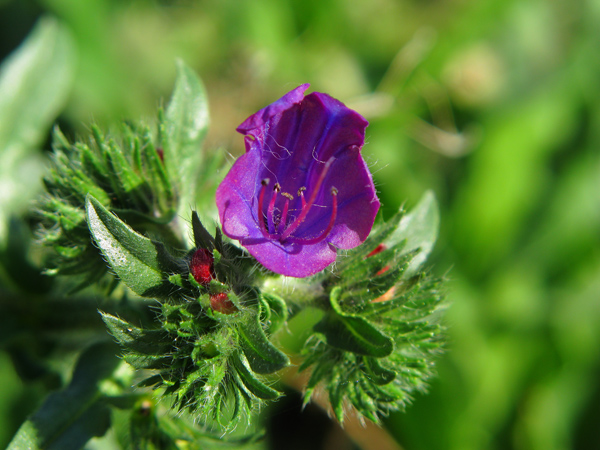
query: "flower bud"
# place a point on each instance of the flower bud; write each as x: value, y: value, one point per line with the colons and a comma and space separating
x: 220, y: 302
x: 202, y: 266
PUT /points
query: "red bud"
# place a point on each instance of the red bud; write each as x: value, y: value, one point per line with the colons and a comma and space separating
x: 202, y: 266
x: 220, y: 302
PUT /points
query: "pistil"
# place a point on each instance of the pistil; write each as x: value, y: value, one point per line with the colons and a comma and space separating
x: 301, y: 194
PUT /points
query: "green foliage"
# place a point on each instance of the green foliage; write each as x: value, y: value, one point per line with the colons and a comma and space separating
x: 143, y: 176
x: 208, y: 362
x: 375, y: 344
x: 69, y: 418
x: 210, y: 366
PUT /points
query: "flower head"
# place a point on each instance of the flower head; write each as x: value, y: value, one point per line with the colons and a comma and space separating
x: 302, y: 189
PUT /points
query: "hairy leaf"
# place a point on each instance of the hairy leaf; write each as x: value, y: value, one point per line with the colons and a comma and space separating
x: 354, y: 334
x: 262, y: 355
x: 146, y: 342
x: 250, y: 382
x: 420, y: 230
x: 142, y: 264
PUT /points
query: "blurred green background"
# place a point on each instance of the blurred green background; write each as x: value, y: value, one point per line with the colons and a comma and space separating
x: 495, y: 105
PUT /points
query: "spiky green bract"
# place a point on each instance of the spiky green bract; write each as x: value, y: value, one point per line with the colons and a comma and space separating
x: 374, y: 346
x: 145, y: 174
x: 124, y: 172
x: 214, y: 365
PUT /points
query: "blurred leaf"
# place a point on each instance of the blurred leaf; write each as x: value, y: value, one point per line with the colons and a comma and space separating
x: 508, y: 174
x: 420, y: 229
x: 142, y: 264
x: 14, y: 257
x: 69, y: 418
x: 34, y: 83
x: 185, y: 125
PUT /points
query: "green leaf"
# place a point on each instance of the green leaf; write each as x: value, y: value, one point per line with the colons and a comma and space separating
x: 377, y: 373
x: 354, y: 334
x: 420, y: 230
x: 34, y: 83
x: 184, y: 128
x: 262, y: 355
x: 143, y: 265
x: 278, y: 311
x: 249, y: 381
x: 336, y: 391
x: 147, y: 342
x: 68, y: 419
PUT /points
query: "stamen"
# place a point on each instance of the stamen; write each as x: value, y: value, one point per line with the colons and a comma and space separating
x: 306, y: 207
x: 301, y: 194
x: 271, y: 208
x: 330, y: 225
x: 284, y: 213
x: 260, y: 216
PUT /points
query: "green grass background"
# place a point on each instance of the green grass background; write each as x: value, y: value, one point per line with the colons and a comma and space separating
x: 493, y: 104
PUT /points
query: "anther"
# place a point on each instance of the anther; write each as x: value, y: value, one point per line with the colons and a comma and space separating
x: 301, y: 195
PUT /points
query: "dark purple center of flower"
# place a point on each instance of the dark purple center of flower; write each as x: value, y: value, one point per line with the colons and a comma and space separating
x: 281, y: 227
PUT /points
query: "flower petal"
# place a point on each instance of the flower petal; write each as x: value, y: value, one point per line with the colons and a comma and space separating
x: 237, y: 211
x: 357, y: 203
x: 253, y: 124
x: 311, y: 143
x: 293, y: 260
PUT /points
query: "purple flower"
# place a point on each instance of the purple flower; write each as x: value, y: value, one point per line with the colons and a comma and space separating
x: 302, y: 188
